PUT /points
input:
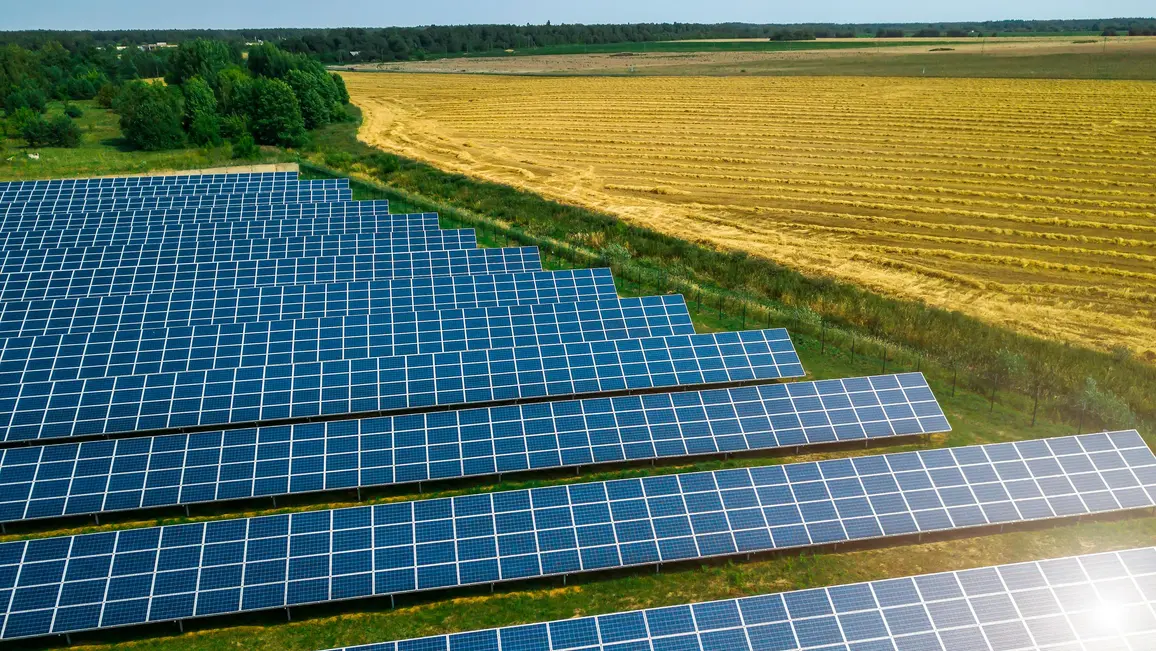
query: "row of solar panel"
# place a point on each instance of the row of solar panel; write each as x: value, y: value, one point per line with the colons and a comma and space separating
x: 1096, y: 601
x: 132, y: 181
x: 101, y: 476
x: 76, y: 193
x: 186, y: 233
x: 37, y: 201
x: 76, y: 283
x: 137, y: 352
x: 181, y: 571
x: 236, y: 397
x: 174, y: 201
x: 283, y: 302
x: 31, y: 261
x: 120, y: 221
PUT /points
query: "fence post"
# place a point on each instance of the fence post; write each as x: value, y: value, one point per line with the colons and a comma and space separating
x: 884, y: 358
x: 852, y: 349
x: 822, y: 336
x: 720, y: 306
x: 744, y: 315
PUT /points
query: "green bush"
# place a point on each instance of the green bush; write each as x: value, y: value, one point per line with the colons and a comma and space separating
x: 20, y: 118
x: 205, y: 130
x: 245, y: 147
x: 73, y: 111
x: 315, y: 111
x: 339, y: 86
x: 275, y: 116
x: 61, y: 131
x: 233, y: 126
x: 150, y: 116
x: 31, y: 98
x: 106, y: 95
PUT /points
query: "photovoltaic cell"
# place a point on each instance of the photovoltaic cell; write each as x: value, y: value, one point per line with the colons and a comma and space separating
x: 141, y: 255
x: 139, y: 220
x: 180, y: 571
x: 256, y: 273
x: 1095, y: 601
x: 239, y: 397
x: 249, y: 229
x: 286, y: 302
x: 132, y: 181
x: 201, y: 348
x: 173, y: 201
x: 100, y: 476
x: 176, y: 201
x: 75, y: 194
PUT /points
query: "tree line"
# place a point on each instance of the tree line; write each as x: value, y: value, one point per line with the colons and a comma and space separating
x: 211, y: 92
x: 357, y: 44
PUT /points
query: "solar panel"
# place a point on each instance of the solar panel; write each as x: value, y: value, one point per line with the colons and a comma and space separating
x: 77, y: 193
x: 179, y: 201
x: 160, y: 402
x: 145, y: 219
x: 130, y: 181
x: 255, y: 273
x: 138, y: 352
x: 1095, y: 601
x: 180, y: 571
x: 125, y: 474
x: 180, y: 233
x: 390, y: 243
x: 283, y: 302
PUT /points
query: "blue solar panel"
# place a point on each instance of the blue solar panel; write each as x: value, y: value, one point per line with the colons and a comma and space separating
x: 100, y: 476
x: 177, y: 201
x: 142, y: 220
x: 284, y: 302
x: 248, y: 229
x: 384, y: 245
x: 172, y: 350
x: 132, y: 181
x: 180, y: 571
x: 238, y: 397
x: 1096, y: 601
x: 256, y: 273
x: 75, y: 193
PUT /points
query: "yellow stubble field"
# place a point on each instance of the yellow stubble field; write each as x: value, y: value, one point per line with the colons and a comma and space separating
x: 1030, y: 203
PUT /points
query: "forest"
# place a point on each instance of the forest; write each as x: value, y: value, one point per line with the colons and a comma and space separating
x: 357, y: 44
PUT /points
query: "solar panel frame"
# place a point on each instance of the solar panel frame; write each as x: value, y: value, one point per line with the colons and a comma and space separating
x: 166, y: 179
x: 77, y: 193
x: 293, y: 271
x: 232, y: 398
x: 1093, y: 601
x: 28, y: 261
x: 181, y: 234
x: 202, y: 348
x: 178, y: 201
x: 286, y: 302
x: 173, y: 470
x: 230, y: 566
x: 133, y: 220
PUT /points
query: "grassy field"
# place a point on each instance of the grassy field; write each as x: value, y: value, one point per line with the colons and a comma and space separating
x: 104, y: 152
x: 744, y: 45
x: 1020, y: 202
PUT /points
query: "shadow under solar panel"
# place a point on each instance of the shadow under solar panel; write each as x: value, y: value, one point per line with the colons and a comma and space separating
x: 294, y: 271
x: 226, y: 566
x: 1096, y: 601
x: 283, y: 393
x: 151, y: 255
x: 102, y: 476
x: 284, y: 302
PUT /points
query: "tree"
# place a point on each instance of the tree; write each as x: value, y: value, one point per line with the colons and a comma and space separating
x: 201, y: 120
x: 275, y: 116
x: 61, y: 131
x: 1042, y: 371
x: 314, y: 109
x: 150, y: 115
x: 233, y: 88
x: 1000, y: 368
x: 200, y: 58
x: 339, y: 86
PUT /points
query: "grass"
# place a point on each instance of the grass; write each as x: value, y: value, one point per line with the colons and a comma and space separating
x: 103, y: 151
x: 467, y: 203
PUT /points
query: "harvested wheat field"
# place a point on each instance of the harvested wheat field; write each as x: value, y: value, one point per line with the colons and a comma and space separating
x: 1025, y: 202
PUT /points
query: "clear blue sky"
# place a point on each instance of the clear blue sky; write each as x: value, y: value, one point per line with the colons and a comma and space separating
x: 142, y: 14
